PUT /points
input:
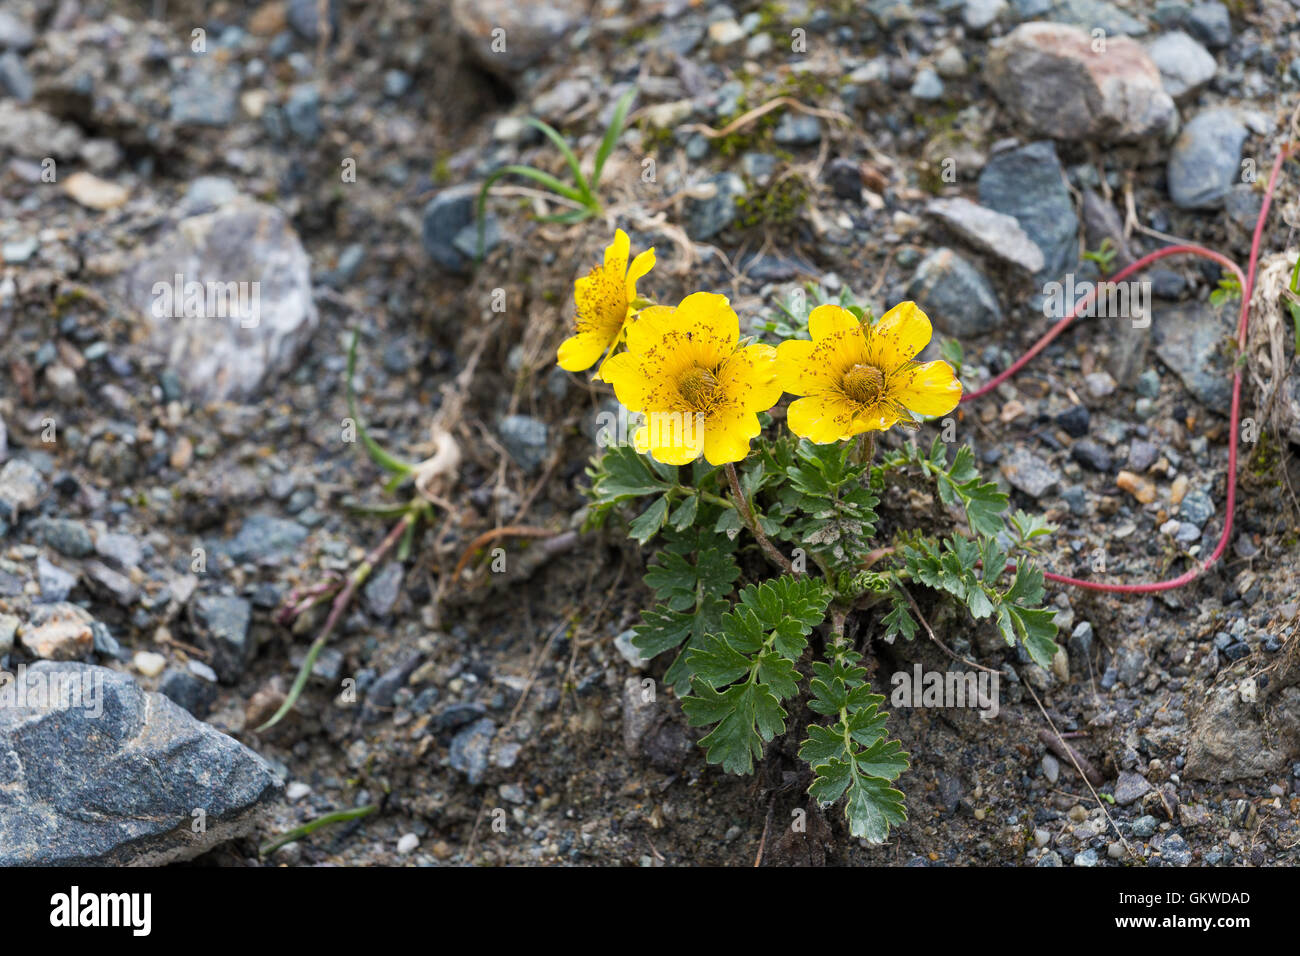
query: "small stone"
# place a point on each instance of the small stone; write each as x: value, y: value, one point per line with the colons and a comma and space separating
x: 1197, y: 507
x: 1185, y: 66
x: 58, y: 632
x: 1137, y: 486
x: 1204, y: 163
x: 629, y: 651
x: 1144, y: 827
x: 927, y: 85
x: 990, y: 232
x: 1130, y: 787
x: 1029, y: 184
x: 94, y: 193
x: 1029, y: 473
x: 1051, y: 771
x: 956, y: 295
x: 1091, y: 454
x: 1174, y: 851
x: 148, y: 663
x: 708, y: 215
x: 1074, y: 420
x: 527, y: 439
x: 407, y: 844
x: 1087, y: 857
x: 798, y: 129
x: 192, y: 690
x: 221, y: 625
x: 470, y: 748
x: 65, y: 536
x: 56, y: 583
x: 1209, y: 23
x: 1099, y: 384
x: 297, y: 791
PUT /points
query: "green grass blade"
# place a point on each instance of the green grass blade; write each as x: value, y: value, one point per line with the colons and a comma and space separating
x: 380, y: 457
x: 536, y: 175
x: 297, y: 833
x: 299, y: 683
x: 551, y: 133
x: 612, y: 134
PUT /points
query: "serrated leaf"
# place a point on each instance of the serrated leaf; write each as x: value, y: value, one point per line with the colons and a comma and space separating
x: 747, y: 716
x: 646, y: 525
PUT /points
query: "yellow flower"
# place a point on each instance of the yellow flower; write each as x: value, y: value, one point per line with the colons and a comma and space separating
x: 699, y: 391
x: 604, y: 303
x: 858, y: 379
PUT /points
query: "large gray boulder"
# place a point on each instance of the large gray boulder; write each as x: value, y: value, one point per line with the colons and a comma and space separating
x: 96, y: 771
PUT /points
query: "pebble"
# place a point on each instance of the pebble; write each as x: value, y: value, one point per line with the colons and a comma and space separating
x: 1144, y: 826
x: 1137, y: 486
x: 1051, y: 770
x: 1205, y: 161
x: 956, y: 295
x: 1210, y: 23
x: 407, y: 844
x: 1185, y: 66
x: 1029, y: 184
x: 148, y: 663
x: 1029, y: 473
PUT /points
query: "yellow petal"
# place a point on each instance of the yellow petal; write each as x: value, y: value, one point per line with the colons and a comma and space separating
x: 899, y: 335
x: 639, y: 267
x: 674, y: 438
x: 649, y: 327
x: 799, y: 369
x: 880, y: 417
x: 820, y: 419
x: 580, y: 352
x: 728, y: 434
x: 748, y: 378
x: 828, y: 319
x: 601, y: 302
x: 616, y: 254
x: 928, y: 389
x: 707, y: 327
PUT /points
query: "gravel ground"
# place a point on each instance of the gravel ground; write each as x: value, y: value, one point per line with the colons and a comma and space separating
x: 167, y: 481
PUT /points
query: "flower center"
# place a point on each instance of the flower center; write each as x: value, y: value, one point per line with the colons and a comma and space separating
x: 698, y: 387
x: 864, y: 384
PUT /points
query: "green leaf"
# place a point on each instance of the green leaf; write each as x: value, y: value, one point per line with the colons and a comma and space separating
x: 550, y: 132
x: 747, y: 716
x: 647, y: 524
x: 612, y: 134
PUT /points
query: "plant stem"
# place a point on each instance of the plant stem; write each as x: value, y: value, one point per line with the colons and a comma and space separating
x: 355, y: 580
x: 865, y: 449
x: 747, y: 516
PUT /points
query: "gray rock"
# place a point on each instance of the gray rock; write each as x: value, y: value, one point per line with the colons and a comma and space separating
x: 527, y: 439
x: 1145, y: 826
x: 639, y: 712
x: 956, y: 296
x: 1050, y: 78
x: 195, y: 693
x: 265, y: 539
x: 992, y: 233
x: 470, y: 749
x: 8, y: 630
x: 1029, y: 185
x: 1130, y: 787
x: 207, y: 193
x: 1233, y: 740
x: 113, y: 583
x: 798, y: 129
x: 302, y: 112
x: 1205, y: 162
x: 979, y: 15
x: 1029, y: 473
x: 449, y: 229
x: 1191, y: 344
x: 64, y: 535
x: 927, y: 85
x: 629, y: 651
x: 242, y: 336
x: 1185, y: 66
x: 107, y: 774
x: 508, y: 37
x: 56, y: 583
x: 706, y: 217
x: 383, y: 589
x: 1086, y: 857
x: 205, y: 98
x: 21, y: 489
x: 15, y: 34
x: 122, y: 550
x: 1174, y: 851
x: 59, y: 632
x: 1091, y: 454
x: 220, y: 623
x: 305, y: 18
x: 1096, y: 15
x: 14, y: 78
x: 1081, y: 643
x: 1197, y: 507
x: 1130, y: 664
x: 1209, y: 23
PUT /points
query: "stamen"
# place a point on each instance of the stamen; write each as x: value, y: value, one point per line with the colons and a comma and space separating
x: 698, y: 387
x: 864, y: 384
